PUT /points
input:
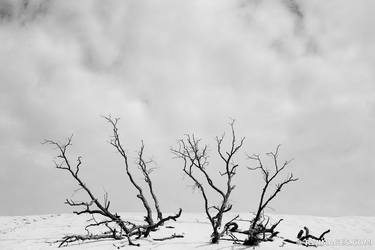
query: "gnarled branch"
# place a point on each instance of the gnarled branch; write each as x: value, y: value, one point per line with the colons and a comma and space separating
x: 116, y: 227
x: 195, y: 163
x: 258, y: 229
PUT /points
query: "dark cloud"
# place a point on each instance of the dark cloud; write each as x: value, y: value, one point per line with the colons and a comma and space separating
x: 295, y: 8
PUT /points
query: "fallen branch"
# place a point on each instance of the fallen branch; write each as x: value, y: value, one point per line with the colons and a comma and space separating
x: 306, y: 239
x: 170, y: 237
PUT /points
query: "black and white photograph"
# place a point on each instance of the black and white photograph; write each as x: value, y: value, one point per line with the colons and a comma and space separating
x: 187, y: 124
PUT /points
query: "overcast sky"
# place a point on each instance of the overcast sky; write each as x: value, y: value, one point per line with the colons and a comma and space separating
x: 299, y: 73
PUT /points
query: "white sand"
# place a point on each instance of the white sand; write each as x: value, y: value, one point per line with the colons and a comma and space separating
x: 37, y: 232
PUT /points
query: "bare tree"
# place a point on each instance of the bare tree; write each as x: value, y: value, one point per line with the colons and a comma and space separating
x: 115, y: 227
x: 258, y: 230
x: 146, y: 171
x: 195, y: 158
x: 144, y: 166
x: 93, y: 206
x: 116, y: 143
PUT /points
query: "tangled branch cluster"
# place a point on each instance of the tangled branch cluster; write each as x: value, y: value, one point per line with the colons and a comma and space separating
x: 195, y: 160
x: 196, y: 166
x: 115, y: 227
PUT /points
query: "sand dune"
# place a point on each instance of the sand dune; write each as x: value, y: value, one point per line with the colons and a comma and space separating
x: 40, y: 232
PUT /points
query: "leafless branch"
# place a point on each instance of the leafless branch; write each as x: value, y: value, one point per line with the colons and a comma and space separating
x: 195, y: 163
x: 116, y: 227
x: 94, y: 206
x: 116, y: 143
x: 173, y: 236
x: 306, y: 239
x: 258, y: 228
x: 146, y: 171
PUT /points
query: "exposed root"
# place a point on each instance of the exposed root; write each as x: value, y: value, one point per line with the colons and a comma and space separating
x: 306, y: 239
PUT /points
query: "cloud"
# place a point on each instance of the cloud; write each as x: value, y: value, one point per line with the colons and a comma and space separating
x: 292, y: 72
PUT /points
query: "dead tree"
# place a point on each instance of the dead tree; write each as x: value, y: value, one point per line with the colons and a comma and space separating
x: 195, y: 158
x: 116, y: 143
x: 115, y: 227
x: 144, y: 166
x: 146, y: 171
x: 93, y: 206
x: 258, y: 230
